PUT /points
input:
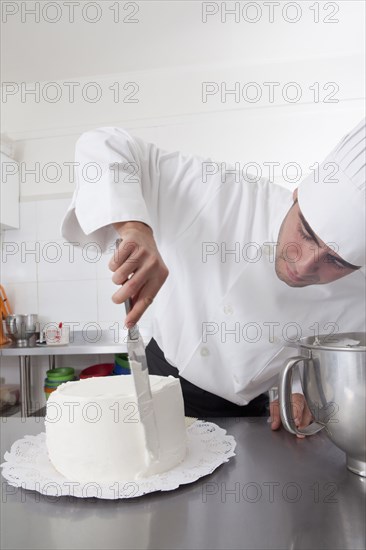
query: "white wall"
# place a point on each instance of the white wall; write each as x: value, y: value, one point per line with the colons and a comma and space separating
x: 171, y: 112
x: 175, y: 109
x: 174, y: 34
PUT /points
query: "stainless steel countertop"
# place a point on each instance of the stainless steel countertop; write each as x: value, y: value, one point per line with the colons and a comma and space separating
x: 278, y: 492
x: 83, y: 343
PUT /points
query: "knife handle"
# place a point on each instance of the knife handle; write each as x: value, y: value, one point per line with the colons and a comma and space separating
x: 133, y: 333
x: 128, y: 305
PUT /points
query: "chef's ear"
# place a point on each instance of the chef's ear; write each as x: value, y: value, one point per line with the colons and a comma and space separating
x: 294, y: 194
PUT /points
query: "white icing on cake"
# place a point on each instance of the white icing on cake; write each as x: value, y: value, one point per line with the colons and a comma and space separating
x: 94, y: 432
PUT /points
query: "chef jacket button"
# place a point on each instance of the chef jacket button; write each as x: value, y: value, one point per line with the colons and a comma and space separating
x: 228, y: 309
x: 205, y: 352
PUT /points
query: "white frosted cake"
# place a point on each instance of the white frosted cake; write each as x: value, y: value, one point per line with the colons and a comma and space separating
x: 94, y: 432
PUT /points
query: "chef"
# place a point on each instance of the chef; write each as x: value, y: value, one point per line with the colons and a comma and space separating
x: 238, y: 271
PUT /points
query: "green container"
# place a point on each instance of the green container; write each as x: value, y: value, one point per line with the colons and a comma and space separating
x: 64, y: 374
x: 121, y: 359
x: 53, y: 383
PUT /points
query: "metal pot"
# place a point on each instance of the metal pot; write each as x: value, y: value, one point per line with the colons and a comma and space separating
x: 333, y: 381
x: 21, y: 328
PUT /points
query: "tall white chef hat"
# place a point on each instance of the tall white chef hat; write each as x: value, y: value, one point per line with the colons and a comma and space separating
x: 333, y: 200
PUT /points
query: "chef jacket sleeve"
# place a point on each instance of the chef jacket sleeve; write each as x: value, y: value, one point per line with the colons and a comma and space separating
x: 120, y: 178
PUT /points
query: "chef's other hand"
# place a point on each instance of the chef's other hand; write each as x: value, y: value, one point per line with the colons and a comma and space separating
x: 137, y: 254
x: 300, y: 412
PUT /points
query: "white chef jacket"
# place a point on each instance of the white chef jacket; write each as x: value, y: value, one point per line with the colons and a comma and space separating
x: 223, y: 319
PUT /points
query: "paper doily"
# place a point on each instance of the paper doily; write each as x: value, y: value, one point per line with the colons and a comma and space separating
x: 28, y: 466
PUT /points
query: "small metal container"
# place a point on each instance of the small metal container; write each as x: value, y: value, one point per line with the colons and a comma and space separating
x: 334, y: 384
x: 21, y: 328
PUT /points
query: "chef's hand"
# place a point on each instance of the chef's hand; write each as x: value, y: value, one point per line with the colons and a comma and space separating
x: 137, y: 254
x: 300, y: 412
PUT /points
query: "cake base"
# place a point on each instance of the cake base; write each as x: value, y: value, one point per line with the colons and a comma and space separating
x: 28, y: 466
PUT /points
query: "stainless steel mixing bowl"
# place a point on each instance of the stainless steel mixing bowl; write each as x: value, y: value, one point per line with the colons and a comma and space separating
x: 21, y: 328
x: 334, y: 382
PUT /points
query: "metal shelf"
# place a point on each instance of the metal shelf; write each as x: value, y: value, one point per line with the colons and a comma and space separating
x: 92, y: 343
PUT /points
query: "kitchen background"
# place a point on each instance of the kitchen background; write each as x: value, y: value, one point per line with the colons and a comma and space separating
x: 268, y: 82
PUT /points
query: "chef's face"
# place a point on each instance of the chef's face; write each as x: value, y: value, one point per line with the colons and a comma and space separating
x: 302, y: 259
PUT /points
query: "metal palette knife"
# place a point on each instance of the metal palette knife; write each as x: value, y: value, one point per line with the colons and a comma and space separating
x: 140, y: 374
